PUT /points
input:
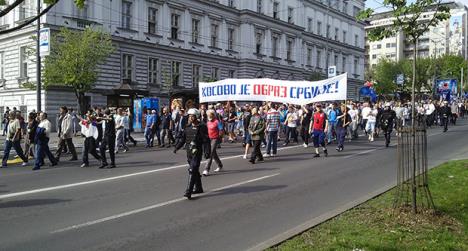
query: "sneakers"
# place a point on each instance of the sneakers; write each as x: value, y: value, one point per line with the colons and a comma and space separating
x: 218, y: 169
x: 24, y: 164
x: 305, y: 145
x: 266, y: 155
x: 273, y: 155
x: 317, y: 155
x: 245, y: 156
x: 252, y: 161
x: 205, y: 173
x: 84, y: 165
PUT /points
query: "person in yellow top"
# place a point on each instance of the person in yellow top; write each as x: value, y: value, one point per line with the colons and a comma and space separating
x: 13, y: 139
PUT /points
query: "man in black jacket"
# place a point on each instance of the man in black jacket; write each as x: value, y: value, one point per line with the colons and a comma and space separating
x: 108, y: 140
x: 196, y: 141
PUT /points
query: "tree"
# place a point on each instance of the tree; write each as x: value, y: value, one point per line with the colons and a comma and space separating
x: 450, y: 67
x: 406, y: 18
x: 384, y: 74
x: 74, y: 60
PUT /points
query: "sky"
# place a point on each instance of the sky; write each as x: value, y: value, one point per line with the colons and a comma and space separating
x: 378, y: 3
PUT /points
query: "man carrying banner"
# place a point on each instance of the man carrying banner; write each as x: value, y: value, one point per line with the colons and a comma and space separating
x: 342, y: 123
x: 318, y: 127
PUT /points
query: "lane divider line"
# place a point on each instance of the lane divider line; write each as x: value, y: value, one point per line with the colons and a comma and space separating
x: 162, y: 204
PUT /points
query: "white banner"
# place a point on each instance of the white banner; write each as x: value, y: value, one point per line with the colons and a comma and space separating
x: 278, y: 91
x: 44, y: 42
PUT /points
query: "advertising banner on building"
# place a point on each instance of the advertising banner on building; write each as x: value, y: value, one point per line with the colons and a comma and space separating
x: 456, y: 34
x: 279, y: 91
x: 44, y: 42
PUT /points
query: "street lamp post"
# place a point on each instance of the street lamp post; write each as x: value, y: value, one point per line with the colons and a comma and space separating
x: 38, y: 59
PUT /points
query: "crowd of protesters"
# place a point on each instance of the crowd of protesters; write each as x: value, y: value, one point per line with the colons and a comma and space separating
x: 254, y: 125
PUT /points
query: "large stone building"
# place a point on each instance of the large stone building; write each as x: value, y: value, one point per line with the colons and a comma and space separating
x: 448, y: 37
x: 165, y: 47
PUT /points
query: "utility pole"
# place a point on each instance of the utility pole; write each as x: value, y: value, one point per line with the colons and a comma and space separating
x: 461, y: 83
x: 38, y: 60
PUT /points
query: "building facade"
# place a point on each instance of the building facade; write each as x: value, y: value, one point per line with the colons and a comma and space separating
x: 448, y: 37
x: 165, y: 47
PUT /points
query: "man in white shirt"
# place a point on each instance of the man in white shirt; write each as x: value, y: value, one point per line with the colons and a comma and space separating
x: 430, y: 108
x: 13, y: 139
x: 42, y: 144
x: 120, y: 131
x: 352, y: 128
x: 366, y: 110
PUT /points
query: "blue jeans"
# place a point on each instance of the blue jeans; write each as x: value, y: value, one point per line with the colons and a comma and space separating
x: 6, y: 152
x: 42, y: 149
x: 331, y: 130
x: 149, y: 136
x: 272, y: 144
x: 340, y: 135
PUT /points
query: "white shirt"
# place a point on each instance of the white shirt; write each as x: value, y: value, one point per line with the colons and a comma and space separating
x: 89, y: 130
x: 372, y: 116
x: 292, y: 119
x: 430, y: 108
x: 119, y: 122
x: 365, y: 112
x: 47, y: 126
x: 353, y: 114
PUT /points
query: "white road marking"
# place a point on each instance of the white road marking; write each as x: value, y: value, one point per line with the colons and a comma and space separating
x: 162, y: 204
x: 89, y: 182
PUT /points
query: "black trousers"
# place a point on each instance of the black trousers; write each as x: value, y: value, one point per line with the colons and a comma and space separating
x: 63, y: 143
x: 445, y: 121
x: 89, y: 146
x: 388, y: 136
x: 256, y: 152
x: 108, y: 142
x: 194, y: 178
x: 305, y: 134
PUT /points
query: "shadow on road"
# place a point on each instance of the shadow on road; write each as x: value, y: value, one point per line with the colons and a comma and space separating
x: 224, y: 172
x: 30, y: 203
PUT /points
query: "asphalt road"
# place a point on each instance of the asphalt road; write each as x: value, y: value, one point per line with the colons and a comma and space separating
x: 139, y: 205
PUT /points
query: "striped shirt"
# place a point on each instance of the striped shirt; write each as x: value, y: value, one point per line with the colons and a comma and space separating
x: 273, y: 120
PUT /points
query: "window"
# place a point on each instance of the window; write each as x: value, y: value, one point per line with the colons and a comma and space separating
x: 231, y: 4
x: 23, y: 62
x: 309, y: 56
x: 289, y: 49
x: 175, y: 20
x: 26, y: 9
x: 231, y: 37
x: 127, y: 66
x: 215, y: 73
x: 82, y: 12
x: 309, y: 24
x: 328, y: 60
x: 290, y: 15
x: 232, y: 73
x: 195, y: 75
x: 152, y: 20
x: 388, y: 45
x: 336, y: 34
x: 319, y: 58
x: 274, y: 46
x: 276, y: 10
x: 356, y: 40
x: 336, y: 60
x: 126, y: 14
x: 345, y: 7
x: 356, y: 61
x: 356, y: 11
x: 374, y: 56
x: 259, y: 6
x: 2, y: 65
x: 176, y: 73
x: 214, y: 35
x: 319, y: 28
x: 344, y: 36
x: 195, y: 30
x: 153, y: 66
x: 328, y: 31
x: 258, y: 42
x: 343, y: 64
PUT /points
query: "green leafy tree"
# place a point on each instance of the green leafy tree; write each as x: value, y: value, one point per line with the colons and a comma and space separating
x: 407, y: 18
x: 449, y: 66
x: 74, y: 60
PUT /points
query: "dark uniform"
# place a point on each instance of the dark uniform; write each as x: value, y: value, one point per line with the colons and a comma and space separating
x: 196, y: 141
x: 445, y: 113
x: 386, y: 121
x: 108, y: 142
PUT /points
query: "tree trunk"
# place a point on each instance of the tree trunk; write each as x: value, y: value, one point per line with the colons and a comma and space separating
x: 413, y: 126
x: 82, y: 106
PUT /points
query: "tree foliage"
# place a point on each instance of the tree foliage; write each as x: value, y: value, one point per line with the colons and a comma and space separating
x: 74, y: 60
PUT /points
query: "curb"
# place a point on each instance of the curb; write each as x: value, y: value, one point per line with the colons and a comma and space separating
x: 318, y: 220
